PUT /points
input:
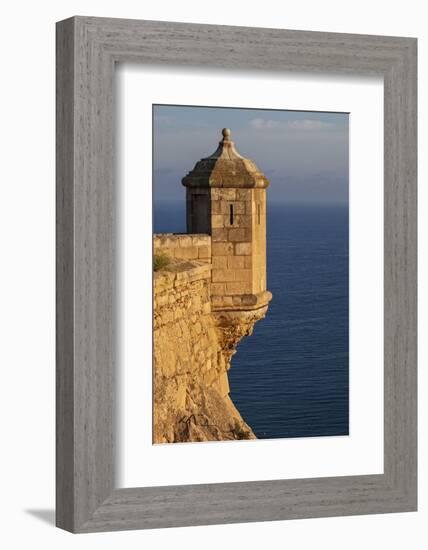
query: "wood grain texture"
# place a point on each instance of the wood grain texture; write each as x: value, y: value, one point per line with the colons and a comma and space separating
x: 64, y: 277
x: 87, y: 49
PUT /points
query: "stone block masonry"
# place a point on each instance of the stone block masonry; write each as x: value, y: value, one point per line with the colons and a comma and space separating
x: 183, y: 246
x: 191, y: 359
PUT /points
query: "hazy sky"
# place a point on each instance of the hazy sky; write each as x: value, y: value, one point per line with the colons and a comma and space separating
x: 304, y: 154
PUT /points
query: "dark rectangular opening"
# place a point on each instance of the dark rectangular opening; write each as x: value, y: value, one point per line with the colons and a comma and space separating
x: 231, y: 214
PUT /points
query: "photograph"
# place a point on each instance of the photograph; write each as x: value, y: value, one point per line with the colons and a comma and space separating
x: 250, y: 273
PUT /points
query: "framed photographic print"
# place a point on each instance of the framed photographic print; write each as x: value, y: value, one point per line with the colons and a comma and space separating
x: 238, y: 240
x: 236, y: 274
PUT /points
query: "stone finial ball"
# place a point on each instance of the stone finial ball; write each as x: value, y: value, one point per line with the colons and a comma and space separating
x: 226, y: 133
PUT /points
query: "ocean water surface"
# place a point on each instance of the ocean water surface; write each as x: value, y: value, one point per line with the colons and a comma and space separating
x: 290, y: 378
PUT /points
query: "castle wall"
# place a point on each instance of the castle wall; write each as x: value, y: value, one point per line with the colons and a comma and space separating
x: 191, y: 356
x: 183, y: 246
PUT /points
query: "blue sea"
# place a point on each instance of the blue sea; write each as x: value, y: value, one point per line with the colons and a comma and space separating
x: 290, y: 378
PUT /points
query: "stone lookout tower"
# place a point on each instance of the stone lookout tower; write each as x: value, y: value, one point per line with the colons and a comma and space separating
x: 226, y: 198
x: 209, y: 298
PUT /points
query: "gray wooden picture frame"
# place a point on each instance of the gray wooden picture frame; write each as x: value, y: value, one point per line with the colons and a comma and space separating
x: 87, y: 50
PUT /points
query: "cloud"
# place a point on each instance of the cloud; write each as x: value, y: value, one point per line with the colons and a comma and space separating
x: 305, y: 125
x: 309, y: 125
x: 264, y: 124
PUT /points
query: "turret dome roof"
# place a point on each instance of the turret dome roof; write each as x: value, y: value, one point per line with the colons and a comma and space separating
x: 225, y: 168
